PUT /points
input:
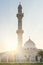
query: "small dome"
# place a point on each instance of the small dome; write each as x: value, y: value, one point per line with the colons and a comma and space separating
x: 29, y: 44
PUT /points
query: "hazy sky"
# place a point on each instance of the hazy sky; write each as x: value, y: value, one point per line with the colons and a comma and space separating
x: 32, y: 23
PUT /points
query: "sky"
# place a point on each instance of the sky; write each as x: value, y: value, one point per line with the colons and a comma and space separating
x: 32, y: 23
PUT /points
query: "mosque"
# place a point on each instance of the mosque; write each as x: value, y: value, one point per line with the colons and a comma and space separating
x: 26, y: 53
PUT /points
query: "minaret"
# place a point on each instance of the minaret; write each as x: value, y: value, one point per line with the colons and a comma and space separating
x: 20, y: 31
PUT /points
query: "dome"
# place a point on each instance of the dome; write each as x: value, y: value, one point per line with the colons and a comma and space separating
x: 29, y: 44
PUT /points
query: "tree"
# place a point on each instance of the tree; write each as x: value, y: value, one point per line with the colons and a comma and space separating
x: 40, y: 53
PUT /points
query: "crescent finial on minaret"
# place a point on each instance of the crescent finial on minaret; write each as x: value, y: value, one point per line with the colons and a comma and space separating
x: 20, y: 6
x: 29, y: 36
x: 19, y: 2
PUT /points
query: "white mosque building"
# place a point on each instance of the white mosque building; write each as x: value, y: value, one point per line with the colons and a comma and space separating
x: 28, y: 52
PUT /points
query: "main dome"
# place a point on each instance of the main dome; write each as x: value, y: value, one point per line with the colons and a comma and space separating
x: 29, y: 44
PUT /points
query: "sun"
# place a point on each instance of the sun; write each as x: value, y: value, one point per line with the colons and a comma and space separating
x: 11, y: 46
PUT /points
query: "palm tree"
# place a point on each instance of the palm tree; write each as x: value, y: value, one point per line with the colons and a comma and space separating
x: 40, y: 53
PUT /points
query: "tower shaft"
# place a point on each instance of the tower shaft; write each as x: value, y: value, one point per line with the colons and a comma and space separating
x: 20, y: 31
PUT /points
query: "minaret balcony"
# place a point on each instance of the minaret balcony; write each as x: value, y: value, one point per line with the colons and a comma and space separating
x: 20, y: 31
x: 19, y: 15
